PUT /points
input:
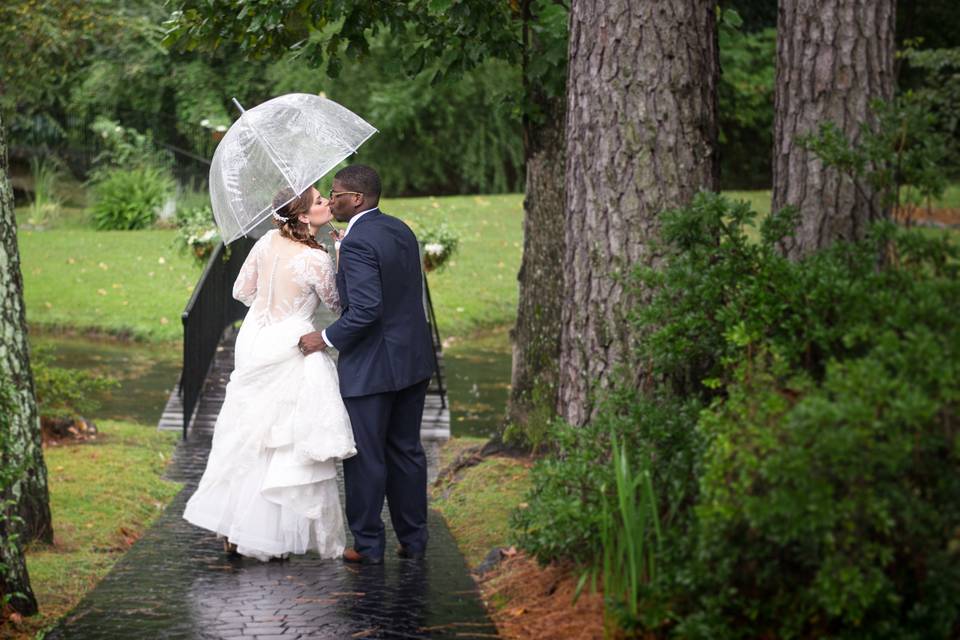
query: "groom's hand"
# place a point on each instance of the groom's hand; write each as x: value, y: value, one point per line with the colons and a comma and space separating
x: 312, y: 342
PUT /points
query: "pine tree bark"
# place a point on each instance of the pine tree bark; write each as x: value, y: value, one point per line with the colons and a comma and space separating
x: 33, y: 503
x: 26, y: 496
x: 834, y: 57
x: 640, y: 139
x: 536, y: 334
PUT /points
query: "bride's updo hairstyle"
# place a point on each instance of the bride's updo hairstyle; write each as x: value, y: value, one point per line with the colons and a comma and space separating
x: 287, y: 217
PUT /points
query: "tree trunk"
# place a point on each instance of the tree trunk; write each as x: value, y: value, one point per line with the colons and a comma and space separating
x: 641, y: 138
x: 833, y: 58
x: 24, y: 486
x: 33, y: 504
x: 536, y: 335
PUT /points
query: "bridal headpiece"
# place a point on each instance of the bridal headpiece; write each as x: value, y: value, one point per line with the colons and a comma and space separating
x: 282, y: 202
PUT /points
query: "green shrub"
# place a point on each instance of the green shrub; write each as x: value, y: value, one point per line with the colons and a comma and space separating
x: 829, y: 490
x: 127, y: 199
x: 563, y: 519
x: 803, y: 442
x: 127, y: 148
x: 66, y: 393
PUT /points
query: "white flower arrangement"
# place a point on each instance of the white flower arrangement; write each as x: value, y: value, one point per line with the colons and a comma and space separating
x: 439, y: 243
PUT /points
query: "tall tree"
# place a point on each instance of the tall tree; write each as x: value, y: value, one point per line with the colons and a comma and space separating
x: 24, y: 500
x: 834, y: 57
x: 536, y: 334
x: 641, y: 138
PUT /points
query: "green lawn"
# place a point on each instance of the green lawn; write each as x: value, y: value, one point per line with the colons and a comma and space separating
x: 122, y: 282
x: 137, y: 282
x: 103, y: 494
x: 478, y: 287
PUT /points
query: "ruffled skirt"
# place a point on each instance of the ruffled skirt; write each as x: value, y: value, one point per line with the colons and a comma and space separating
x: 270, y: 485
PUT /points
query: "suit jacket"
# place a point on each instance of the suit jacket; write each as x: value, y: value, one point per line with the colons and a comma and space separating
x: 382, y: 334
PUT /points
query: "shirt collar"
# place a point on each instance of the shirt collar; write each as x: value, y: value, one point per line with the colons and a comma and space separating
x: 354, y: 219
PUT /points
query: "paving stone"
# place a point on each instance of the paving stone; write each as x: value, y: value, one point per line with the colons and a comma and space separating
x: 175, y: 582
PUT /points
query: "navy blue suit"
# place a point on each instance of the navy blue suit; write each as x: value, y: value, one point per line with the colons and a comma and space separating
x: 385, y: 363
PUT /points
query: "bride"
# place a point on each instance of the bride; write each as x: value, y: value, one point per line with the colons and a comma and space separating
x: 270, y: 485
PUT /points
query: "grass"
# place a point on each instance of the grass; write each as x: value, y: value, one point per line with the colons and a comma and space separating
x: 103, y: 495
x: 477, y: 289
x: 478, y: 502
x: 137, y: 283
x: 117, y: 282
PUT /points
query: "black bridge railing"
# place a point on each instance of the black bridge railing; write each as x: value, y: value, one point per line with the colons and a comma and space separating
x: 437, y: 344
x: 210, y: 310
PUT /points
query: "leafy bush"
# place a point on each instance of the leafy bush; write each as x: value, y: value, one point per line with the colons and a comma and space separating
x: 745, y: 97
x: 829, y: 488
x: 563, y: 519
x: 803, y: 441
x: 127, y: 148
x: 129, y: 198
x: 66, y: 393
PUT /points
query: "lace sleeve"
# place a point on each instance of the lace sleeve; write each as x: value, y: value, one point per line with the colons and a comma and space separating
x: 245, y: 287
x: 323, y: 280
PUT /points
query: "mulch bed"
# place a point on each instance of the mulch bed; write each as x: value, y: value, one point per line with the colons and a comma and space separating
x: 539, y: 601
x: 921, y: 216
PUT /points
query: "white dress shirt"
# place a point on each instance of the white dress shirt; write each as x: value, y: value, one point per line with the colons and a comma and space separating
x: 350, y: 224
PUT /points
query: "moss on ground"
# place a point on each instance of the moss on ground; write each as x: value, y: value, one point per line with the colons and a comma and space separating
x: 477, y: 501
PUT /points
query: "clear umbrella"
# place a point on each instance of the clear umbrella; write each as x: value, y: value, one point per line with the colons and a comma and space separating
x: 281, y: 146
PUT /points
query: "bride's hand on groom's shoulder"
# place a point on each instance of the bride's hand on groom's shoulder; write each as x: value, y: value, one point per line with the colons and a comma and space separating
x: 311, y: 342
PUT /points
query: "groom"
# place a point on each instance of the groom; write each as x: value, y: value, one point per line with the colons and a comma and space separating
x: 386, y: 361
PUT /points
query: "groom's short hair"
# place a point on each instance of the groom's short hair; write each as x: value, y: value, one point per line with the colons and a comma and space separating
x: 361, y: 178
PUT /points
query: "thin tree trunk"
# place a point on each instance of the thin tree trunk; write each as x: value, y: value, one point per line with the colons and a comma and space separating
x: 834, y: 57
x: 641, y: 138
x: 33, y: 503
x: 26, y: 492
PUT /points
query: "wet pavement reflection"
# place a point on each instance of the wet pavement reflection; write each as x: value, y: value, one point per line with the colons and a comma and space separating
x: 176, y: 582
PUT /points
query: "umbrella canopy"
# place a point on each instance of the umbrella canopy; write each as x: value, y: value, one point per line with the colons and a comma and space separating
x: 287, y: 143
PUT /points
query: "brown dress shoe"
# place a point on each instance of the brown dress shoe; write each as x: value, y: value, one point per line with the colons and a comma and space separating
x: 353, y: 556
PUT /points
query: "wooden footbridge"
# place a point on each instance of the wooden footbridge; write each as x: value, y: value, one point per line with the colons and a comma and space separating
x: 210, y: 322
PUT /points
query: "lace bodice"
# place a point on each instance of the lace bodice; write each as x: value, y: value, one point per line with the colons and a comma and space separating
x: 282, y: 278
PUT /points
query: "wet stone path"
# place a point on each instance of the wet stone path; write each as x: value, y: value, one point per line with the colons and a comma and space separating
x: 176, y: 582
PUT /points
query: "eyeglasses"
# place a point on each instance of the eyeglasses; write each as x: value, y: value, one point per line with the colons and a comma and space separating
x: 333, y: 194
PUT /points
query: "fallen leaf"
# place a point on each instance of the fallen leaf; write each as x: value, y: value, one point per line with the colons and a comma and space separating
x: 102, y: 292
x: 161, y: 260
x: 103, y: 265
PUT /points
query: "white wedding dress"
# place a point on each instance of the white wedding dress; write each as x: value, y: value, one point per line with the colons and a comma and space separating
x: 270, y: 484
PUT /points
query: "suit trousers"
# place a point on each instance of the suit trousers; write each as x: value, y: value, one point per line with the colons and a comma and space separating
x: 391, y: 463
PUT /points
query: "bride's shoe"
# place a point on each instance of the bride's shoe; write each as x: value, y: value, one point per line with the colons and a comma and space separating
x: 230, y: 549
